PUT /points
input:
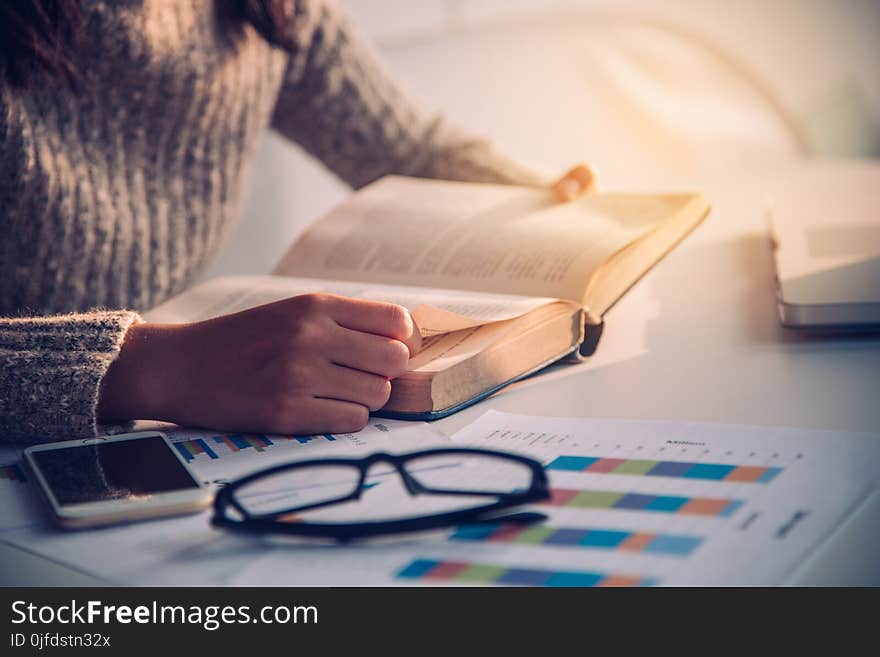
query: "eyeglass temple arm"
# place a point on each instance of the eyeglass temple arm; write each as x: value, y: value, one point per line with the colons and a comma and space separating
x: 517, y: 518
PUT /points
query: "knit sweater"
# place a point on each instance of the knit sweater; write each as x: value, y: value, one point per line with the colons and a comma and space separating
x: 116, y: 194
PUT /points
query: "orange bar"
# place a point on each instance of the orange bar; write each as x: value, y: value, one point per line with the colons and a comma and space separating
x: 704, y: 507
x: 619, y: 580
x: 749, y: 473
x: 637, y: 542
x: 290, y: 517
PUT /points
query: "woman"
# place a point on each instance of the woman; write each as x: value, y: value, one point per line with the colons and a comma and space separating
x: 126, y: 129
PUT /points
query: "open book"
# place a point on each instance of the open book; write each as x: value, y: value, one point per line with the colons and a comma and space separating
x: 501, y: 280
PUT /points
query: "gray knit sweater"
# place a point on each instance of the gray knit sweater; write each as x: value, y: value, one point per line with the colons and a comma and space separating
x: 116, y: 196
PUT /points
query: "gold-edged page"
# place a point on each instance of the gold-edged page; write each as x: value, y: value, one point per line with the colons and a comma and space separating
x: 436, y: 311
x: 626, y: 266
x: 489, y: 238
x: 442, y: 351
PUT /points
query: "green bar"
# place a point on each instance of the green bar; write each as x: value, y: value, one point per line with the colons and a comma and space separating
x: 255, y: 443
x: 480, y: 573
x: 534, y: 535
x: 634, y: 467
x: 595, y: 499
x: 188, y: 444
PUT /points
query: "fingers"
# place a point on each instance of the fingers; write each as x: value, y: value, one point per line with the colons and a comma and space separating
x: 375, y: 317
x: 414, y: 341
x: 579, y: 180
x: 346, y: 384
x: 369, y: 353
x: 329, y: 416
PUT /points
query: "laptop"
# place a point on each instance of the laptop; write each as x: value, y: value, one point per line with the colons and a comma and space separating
x: 825, y: 228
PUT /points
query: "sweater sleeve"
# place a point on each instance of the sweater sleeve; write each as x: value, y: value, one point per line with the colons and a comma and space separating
x: 339, y: 102
x: 50, y: 372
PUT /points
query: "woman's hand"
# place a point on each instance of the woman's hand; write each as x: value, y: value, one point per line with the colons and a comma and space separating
x: 578, y: 181
x: 308, y: 364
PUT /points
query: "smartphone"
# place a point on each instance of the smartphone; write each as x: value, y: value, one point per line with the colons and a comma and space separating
x: 101, y: 481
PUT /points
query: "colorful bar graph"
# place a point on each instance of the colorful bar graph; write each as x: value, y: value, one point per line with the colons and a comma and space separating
x: 685, y: 469
x: 465, y: 572
x: 307, y: 439
x: 610, y: 499
x: 592, y: 538
x: 190, y: 448
x: 235, y: 442
x: 12, y: 472
x: 238, y: 441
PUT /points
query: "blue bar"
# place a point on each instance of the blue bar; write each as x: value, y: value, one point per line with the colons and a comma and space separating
x: 525, y: 577
x: 769, y: 475
x: 329, y: 437
x: 667, y: 503
x: 302, y: 440
x: 709, y: 471
x: 604, y: 538
x: 574, y: 579
x: 184, y: 452
x: 670, y: 469
x: 210, y: 452
x: 565, y: 536
x: 265, y: 439
x: 474, y: 532
x: 573, y: 463
x: 731, y: 508
x: 670, y: 544
x: 16, y: 469
x: 635, y: 501
x: 238, y: 441
x: 418, y: 568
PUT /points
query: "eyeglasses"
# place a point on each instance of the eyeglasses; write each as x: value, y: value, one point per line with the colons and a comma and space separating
x: 284, y: 499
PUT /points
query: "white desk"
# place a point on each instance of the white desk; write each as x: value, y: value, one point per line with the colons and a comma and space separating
x: 697, y: 339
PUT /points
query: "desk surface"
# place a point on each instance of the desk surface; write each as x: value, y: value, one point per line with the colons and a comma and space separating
x: 696, y: 340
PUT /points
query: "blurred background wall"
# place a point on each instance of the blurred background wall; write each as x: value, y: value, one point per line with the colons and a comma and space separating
x: 656, y: 94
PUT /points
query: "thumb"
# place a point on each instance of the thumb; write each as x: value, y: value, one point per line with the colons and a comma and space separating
x: 576, y: 182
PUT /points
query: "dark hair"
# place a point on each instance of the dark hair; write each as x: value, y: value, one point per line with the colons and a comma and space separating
x: 45, y: 34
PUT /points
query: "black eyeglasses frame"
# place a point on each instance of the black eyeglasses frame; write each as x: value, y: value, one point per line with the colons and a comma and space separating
x: 269, y: 523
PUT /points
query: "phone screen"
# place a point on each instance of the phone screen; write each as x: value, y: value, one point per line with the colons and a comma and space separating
x: 118, y: 470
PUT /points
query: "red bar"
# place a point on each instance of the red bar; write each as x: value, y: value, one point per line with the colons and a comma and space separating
x: 605, y: 465
x: 560, y: 496
x: 446, y: 570
x: 506, y: 533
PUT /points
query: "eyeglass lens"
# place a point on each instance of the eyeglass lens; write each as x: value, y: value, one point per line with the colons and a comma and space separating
x: 385, y: 494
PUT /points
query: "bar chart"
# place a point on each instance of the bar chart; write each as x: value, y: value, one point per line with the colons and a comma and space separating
x: 679, y: 545
x: 649, y: 468
x: 215, y: 447
x: 464, y: 572
x: 617, y: 500
x: 12, y: 472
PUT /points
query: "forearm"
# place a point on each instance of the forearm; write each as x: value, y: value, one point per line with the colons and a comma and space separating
x: 342, y: 105
x: 138, y: 383
x: 51, y: 370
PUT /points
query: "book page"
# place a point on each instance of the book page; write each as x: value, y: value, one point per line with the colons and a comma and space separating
x: 435, y: 311
x: 491, y: 238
